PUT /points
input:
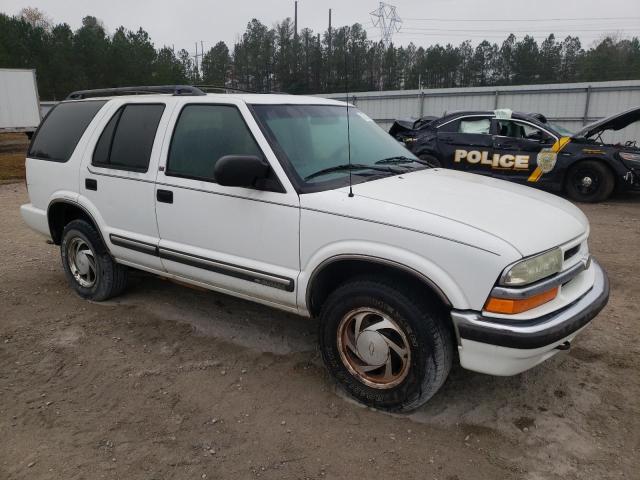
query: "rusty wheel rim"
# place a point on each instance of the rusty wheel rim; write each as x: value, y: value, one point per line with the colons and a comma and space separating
x: 374, y: 348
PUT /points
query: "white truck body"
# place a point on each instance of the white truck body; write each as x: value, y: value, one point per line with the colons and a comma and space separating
x: 19, y: 102
x: 459, y: 233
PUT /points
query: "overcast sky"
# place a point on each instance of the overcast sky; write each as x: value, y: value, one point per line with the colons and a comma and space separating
x: 425, y: 22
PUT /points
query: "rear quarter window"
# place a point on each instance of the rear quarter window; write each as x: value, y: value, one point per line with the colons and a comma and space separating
x: 61, y: 130
x: 127, y: 140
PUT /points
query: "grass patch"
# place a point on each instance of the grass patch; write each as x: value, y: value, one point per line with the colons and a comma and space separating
x: 12, y: 166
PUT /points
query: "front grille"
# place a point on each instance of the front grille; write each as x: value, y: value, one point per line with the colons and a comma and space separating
x: 571, y: 252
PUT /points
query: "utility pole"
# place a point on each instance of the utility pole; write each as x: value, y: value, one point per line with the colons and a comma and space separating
x: 386, y: 18
x: 329, y: 31
x: 329, y: 66
x: 295, y: 21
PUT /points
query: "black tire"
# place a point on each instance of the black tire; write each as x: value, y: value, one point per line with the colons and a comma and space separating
x: 589, y: 181
x: 433, y: 161
x: 424, y: 327
x: 109, y: 278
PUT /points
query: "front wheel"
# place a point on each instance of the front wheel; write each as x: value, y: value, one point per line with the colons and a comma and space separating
x: 387, y: 349
x: 589, y: 181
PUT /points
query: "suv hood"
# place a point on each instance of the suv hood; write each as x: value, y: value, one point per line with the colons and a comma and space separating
x: 530, y: 220
x: 614, y: 122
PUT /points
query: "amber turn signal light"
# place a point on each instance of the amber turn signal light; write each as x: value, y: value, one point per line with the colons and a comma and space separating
x: 511, y: 306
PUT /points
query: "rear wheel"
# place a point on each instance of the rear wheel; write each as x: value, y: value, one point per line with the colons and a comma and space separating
x: 386, y: 348
x: 589, y: 181
x: 89, y: 268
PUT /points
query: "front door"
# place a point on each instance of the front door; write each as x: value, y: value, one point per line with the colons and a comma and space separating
x: 466, y: 144
x: 518, y: 143
x: 237, y: 240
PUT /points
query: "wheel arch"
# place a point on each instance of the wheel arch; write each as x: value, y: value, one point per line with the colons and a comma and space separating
x: 60, y: 212
x: 336, y: 270
x: 426, y: 150
x: 577, y: 161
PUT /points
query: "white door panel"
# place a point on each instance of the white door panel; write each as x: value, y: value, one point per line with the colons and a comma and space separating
x: 238, y: 239
x: 246, y: 245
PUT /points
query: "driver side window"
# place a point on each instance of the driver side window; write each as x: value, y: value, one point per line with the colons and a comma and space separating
x: 204, y: 134
x: 513, y: 129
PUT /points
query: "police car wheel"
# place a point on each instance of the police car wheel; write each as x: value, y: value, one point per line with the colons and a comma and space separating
x: 589, y: 181
x: 433, y: 161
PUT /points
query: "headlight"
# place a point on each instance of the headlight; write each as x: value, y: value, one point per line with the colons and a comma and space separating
x: 533, y: 269
x: 630, y: 157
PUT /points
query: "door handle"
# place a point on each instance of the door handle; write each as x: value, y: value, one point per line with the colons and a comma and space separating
x: 164, y: 196
x: 91, y: 184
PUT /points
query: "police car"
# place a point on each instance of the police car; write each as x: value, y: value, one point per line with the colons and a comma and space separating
x: 526, y: 148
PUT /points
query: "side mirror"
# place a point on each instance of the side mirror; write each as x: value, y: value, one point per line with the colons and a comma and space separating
x: 240, y: 170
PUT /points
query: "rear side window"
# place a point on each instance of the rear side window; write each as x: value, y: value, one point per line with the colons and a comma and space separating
x: 204, y: 134
x: 62, y: 129
x: 475, y: 125
x: 127, y: 140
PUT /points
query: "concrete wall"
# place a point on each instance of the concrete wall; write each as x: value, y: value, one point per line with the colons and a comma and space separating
x: 570, y: 105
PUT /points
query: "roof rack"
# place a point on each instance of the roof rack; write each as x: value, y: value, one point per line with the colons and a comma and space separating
x: 223, y: 88
x: 108, y: 92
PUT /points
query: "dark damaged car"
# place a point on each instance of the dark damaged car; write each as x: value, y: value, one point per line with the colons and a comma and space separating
x: 526, y: 148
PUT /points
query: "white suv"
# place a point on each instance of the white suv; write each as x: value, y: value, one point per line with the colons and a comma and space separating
x: 303, y: 204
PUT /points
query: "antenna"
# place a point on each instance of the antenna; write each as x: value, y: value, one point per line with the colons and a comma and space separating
x: 346, y: 89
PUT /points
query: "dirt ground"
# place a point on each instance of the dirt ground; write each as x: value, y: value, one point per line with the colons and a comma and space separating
x: 168, y: 382
x: 13, y: 147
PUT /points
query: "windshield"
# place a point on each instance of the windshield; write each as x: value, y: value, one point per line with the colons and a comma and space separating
x: 314, y: 140
x: 561, y: 130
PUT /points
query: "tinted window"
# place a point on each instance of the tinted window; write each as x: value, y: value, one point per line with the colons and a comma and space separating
x: 450, y: 127
x: 127, y: 140
x: 62, y: 129
x: 101, y: 153
x: 204, y: 134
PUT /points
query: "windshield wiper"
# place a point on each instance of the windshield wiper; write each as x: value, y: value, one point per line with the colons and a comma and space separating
x: 350, y: 166
x: 401, y: 159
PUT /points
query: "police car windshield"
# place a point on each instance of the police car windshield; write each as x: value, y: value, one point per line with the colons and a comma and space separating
x: 561, y: 130
x: 314, y: 140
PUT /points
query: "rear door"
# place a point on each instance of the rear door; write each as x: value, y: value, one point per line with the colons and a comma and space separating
x: 517, y: 143
x: 238, y: 240
x: 466, y: 143
x: 117, y: 178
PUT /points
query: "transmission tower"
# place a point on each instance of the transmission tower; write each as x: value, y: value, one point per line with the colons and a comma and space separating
x: 387, y: 20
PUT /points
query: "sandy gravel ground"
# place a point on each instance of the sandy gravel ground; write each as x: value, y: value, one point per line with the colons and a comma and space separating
x: 168, y: 382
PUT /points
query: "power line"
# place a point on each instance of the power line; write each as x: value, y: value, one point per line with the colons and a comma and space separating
x: 550, y: 30
x: 487, y: 20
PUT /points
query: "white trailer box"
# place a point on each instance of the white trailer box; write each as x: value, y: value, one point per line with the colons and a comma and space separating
x: 19, y: 102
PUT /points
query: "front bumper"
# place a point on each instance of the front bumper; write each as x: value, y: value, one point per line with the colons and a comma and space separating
x: 507, y: 348
x: 631, y: 180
